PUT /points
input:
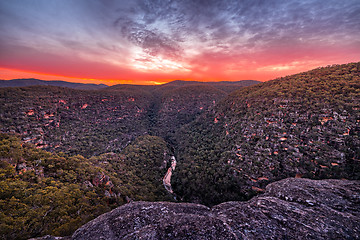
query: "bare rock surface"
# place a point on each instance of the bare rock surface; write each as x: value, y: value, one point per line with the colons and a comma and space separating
x: 289, y: 209
x: 297, y: 209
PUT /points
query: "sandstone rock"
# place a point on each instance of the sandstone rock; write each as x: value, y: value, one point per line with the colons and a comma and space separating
x: 297, y: 209
x: 292, y: 208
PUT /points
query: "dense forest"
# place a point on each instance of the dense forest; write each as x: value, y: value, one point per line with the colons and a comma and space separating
x: 69, y: 155
x: 57, y: 190
x: 304, y: 125
x: 46, y: 193
x: 94, y: 122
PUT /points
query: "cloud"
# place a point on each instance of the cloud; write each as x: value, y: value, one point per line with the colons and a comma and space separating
x: 197, y: 35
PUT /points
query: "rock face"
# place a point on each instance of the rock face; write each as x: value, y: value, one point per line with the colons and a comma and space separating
x: 289, y: 209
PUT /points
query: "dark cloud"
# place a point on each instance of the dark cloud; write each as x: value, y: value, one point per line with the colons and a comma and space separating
x: 160, y: 26
x: 152, y: 40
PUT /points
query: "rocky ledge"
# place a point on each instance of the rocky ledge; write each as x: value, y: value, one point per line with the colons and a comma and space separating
x: 289, y: 209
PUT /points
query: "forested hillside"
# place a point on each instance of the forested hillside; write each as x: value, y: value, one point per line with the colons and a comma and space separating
x: 45, y: 193
x: 304, y: 125
x: 74, y: 121
x: 95, y: 122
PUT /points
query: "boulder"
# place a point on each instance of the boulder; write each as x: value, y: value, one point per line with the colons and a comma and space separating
x: 292, y: 208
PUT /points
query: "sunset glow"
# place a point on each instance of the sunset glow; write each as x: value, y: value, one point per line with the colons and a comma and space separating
x: 143, y: 42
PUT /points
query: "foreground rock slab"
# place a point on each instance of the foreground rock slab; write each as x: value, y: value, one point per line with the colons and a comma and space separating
x: 289, y: 209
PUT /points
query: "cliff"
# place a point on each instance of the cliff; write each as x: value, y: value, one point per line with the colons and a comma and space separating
x: 289, y: 209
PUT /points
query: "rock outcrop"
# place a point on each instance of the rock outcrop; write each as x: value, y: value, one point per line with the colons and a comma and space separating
x: 289, y: 209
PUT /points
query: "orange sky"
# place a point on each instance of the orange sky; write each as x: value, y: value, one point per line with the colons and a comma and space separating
x: 150, y: 42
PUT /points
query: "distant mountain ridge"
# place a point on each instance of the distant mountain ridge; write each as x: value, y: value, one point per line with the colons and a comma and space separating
x: 26, y: 82
x: 225, y: 86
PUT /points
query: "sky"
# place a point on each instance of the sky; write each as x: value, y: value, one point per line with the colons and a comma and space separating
x: 153, y: 42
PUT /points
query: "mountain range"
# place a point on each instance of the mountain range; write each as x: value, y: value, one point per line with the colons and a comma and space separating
x: 36, y: 82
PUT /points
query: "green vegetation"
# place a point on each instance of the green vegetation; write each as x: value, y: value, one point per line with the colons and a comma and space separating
x: 91, y: 123
x: 139, y: 168
x: 182, y: 105
x: 45, y: 193
x: 73, y: 121
x: 305, y: 125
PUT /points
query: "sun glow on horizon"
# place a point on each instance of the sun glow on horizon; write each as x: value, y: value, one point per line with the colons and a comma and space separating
x: 8, y: 74
x: 141, y: 42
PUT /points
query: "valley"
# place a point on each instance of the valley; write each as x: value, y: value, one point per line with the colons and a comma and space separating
x: 204, y: 143
x: 95, y: 122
